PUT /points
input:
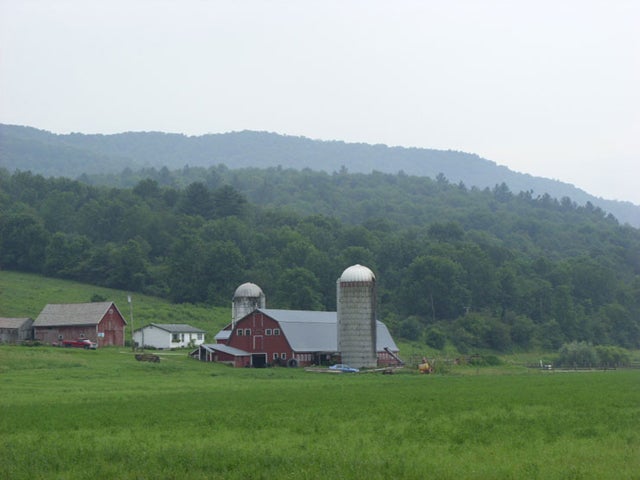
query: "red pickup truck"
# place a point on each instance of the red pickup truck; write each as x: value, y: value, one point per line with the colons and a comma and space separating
x: 80, y: 343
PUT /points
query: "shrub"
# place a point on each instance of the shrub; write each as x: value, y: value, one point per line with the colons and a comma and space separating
x: 610, y: 356
x: 577, y: 354
x: 435, y: 338
x: 440, y: 367
x: 523, y: 329
x: 96, y: 297
x: 410, y: 328
x: 484, y: 360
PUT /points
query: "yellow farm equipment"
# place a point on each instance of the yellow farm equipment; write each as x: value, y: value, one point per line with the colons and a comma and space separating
x: 425, y: 367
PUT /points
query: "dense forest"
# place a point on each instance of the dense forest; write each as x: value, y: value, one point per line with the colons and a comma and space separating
x: 71, y: 155
x: 480, y: 268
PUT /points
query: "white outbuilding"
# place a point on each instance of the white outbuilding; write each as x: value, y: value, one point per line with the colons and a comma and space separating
x: 168, y: 335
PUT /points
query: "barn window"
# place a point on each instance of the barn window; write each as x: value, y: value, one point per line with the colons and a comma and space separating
x: 267, y: 331
x: 275, y: 356
x: 82, y: 335
x: 247, y: 332
x: 239, y: 332
x: 60, y: 337
x: 276, y: 331
x: 283, y: 356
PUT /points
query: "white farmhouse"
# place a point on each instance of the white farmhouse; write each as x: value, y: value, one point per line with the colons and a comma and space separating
x: 169, y: 335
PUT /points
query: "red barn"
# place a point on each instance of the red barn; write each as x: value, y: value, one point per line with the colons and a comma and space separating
x: 100, y: 322
x: 286, y: 337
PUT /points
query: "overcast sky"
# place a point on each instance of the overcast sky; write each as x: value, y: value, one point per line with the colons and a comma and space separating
x: 546, y: 87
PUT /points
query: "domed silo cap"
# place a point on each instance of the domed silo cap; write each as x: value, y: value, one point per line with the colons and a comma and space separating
x: 248, y: 290
x: 357, y: 273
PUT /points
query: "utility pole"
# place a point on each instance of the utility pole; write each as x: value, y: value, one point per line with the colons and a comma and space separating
x: 133, y: 342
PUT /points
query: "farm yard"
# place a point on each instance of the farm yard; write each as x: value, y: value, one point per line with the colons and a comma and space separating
x: 101, y: 414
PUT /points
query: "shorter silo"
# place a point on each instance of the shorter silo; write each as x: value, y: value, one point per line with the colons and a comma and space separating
x: 356, y: 302
x: 247, y: 298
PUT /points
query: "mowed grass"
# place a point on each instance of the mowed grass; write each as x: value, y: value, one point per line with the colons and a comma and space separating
x: 100, y: 414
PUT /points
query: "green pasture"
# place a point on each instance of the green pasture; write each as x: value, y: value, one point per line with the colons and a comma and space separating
x: 74, y: 414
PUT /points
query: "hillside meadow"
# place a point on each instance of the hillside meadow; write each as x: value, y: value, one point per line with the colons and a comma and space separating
x: 25, y: 295
x: 78, y: 414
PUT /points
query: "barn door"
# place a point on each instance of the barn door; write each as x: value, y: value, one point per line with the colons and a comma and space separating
x: 259, y: 360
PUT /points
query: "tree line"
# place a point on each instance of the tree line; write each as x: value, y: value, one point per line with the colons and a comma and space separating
x: 477, y: 268
x: 74, y: 154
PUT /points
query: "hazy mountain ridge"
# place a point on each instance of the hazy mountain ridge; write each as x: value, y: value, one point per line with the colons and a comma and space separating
x: 71, y: 155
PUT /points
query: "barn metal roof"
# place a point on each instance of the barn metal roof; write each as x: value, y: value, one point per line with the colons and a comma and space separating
x: 220, y: 347
x: 317, y: 331
x: 65, y: 314
x: 223, y: 335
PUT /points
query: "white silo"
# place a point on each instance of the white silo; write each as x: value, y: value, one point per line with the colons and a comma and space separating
x: 357, y: 317
x: 246, y: 299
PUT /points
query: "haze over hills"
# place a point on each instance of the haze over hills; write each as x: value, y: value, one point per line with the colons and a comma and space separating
x: 71, y: 155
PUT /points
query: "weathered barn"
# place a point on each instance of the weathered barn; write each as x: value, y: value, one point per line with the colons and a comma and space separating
x: 170, y: 335
x: 15, y: 330
x: 100, y: 322
x: 287, y: 337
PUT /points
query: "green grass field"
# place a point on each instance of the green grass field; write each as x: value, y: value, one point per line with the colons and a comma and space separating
x: 100, y: 414
x: 75, y: 414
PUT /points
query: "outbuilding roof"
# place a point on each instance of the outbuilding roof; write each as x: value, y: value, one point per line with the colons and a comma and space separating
x: 66, y: 314
x: 223, y: 335
x: 308, y: 331
x: 174, y: 328
x: 220, y: 347
x: 11, y: 323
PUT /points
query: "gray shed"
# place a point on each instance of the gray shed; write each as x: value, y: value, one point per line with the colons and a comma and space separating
x: 15, y: 330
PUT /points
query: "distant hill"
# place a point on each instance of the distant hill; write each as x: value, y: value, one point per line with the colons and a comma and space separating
x: 26, y: 148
